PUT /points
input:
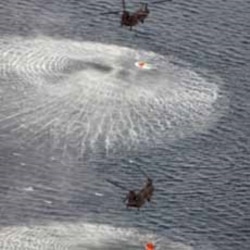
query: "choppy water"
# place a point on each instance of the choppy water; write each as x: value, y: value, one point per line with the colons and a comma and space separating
x: 74, y: 111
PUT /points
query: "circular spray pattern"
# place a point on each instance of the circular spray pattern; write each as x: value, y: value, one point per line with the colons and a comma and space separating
x: 76, y: 236
x: 84, y: 95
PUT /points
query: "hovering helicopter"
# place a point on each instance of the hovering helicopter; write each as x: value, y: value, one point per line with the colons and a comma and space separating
x: 137, y: 199
x: 133, y: 19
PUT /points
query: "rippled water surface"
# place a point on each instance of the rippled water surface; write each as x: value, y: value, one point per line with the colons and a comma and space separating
x: 76, y: 111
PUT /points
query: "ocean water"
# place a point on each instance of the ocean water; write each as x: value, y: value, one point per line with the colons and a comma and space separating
x: 75, y: 112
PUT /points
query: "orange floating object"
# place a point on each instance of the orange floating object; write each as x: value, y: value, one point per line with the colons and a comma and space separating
x: 150, y: 246
x: 142, y: 65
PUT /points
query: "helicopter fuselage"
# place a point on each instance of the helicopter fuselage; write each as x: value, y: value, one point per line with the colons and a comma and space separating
x: 138, y: 199
x: 133, y: 19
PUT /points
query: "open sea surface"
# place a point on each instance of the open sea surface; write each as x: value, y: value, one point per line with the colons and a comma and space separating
x: 76, y: 111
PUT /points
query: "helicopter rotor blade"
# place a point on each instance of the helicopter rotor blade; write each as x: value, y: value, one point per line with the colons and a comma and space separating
x: 123, y: 5
x: 111, y: 12
x: 160, y: 1
x: 114, y: 183
x: 142, y: 171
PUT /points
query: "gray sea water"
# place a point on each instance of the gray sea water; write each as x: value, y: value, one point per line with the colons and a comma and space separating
x: 76, y: 111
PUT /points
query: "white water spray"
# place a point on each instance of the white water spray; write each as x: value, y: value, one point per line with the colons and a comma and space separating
x: 76, y: 236
x: 84, y: 95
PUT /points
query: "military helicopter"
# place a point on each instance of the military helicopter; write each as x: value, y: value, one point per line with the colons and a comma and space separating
x: 137, y: 199
x: 133, y: 19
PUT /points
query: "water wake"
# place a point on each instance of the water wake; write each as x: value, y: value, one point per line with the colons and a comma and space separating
x: 70, y: 95
x: 76, y: 236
